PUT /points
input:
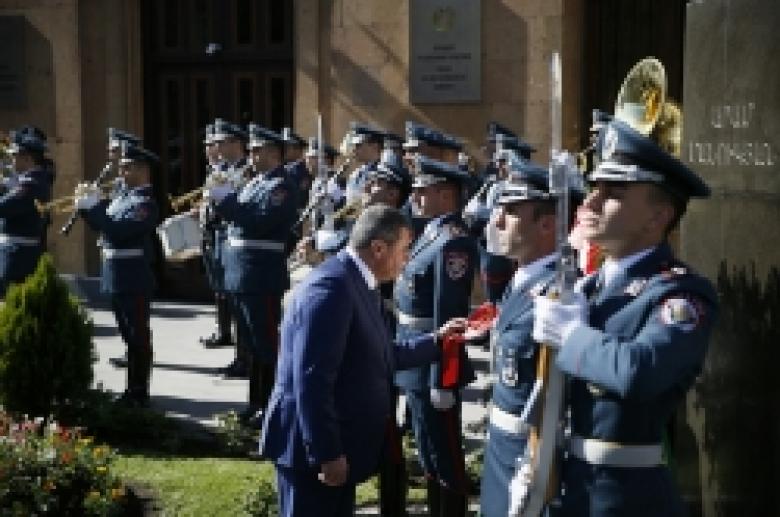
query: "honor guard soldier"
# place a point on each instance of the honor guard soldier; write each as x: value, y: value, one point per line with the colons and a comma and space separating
x: 634, y: 343
x: 525, y: 222
x: 260, y: 217
x: 367, y: 142
x: 424, y: 141
x: 435, y: 285
x: 230, y: 140
x: 126, y: 226
x: 213, y: 233
x: 295, y: 164
x: 23, y: 227
x: 114, y: 143
x: 330, y: 195
x: 495, y: 270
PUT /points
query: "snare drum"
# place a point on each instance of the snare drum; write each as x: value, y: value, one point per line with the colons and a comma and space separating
x: 181, y: 237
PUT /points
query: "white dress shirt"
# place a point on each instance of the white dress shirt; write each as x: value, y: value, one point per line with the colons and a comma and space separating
x: 368, y: 275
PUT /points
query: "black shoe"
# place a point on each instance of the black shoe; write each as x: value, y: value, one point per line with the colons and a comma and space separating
x: 118, y: 362
x: 216, y: 342
x: 235, y: 370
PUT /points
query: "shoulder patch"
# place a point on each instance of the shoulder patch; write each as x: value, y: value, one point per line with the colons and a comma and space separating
x: 456, y: 263
x: 681, y: 312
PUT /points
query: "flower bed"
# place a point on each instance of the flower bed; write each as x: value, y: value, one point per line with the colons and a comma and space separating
x: 46, y: 469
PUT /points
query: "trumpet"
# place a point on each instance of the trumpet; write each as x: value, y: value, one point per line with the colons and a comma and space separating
x: 67, y: 204
x: 238, y: 178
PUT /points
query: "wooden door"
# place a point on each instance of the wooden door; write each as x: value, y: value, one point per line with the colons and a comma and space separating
x: 205, y: 59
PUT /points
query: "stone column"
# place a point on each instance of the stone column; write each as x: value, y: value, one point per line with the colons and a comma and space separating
x: 729, y: 456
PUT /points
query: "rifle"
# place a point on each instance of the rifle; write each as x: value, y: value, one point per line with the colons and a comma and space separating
x: 535, y: 481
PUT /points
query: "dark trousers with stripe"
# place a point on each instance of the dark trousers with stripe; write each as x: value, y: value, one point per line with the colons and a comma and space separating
x: 440, y: 450
x: 132, y: 313
x: 439, y: 440
x: 258, y: 318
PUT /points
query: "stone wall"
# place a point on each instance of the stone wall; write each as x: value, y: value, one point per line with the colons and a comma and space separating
x: 53, y: 83
x: 83, y: 73
x: 352, y: 61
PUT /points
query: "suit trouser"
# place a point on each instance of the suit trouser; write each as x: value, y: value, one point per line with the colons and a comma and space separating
x: 392, y: 469
x: 301, y: 494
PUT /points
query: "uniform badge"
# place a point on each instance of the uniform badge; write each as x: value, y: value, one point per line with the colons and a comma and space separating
x: 636, y: 286
x: 680, y: 313
x: 456, y: 263
x: 278, y: 196
x: 508, y: 375
x: 610, y: 143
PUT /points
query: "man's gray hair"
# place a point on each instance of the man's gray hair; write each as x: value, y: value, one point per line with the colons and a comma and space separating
x: 378, y: 222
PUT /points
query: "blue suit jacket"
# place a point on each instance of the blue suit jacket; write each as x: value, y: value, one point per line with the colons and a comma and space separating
x: 333, y: 386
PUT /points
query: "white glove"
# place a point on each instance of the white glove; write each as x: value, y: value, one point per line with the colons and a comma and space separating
x: 219, y: 192
x: 442, y: 399
x: 87, y: 201
x: 555, y: 321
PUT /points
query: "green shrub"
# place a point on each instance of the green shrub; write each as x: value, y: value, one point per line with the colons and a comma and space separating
x: 262, y: 502
x: 50, y: 470
x: 46, y: 350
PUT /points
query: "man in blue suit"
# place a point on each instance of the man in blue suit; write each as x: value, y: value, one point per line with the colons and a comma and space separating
x: 331, y: 406
x: 635, y: 341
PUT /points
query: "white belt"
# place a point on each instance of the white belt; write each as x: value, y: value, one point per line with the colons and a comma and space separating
x: 414, y: 321
x: 112, y: 253
x: 507, y: 422
x: 15, y: 239
x: 256, y: 244
x: 612, y: 454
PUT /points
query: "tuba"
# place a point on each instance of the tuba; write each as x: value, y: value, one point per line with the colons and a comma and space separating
x: 643, y: 104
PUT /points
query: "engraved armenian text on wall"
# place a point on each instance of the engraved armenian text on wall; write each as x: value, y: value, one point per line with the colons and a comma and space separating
x: 733, y: 121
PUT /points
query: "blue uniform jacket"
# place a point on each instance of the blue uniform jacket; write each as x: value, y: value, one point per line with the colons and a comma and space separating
x: 435, y: 285
x: 125, y: 224
x: 299, y: 177
x: 646, y: 343
x: 260, y: 220
x: 20, y: 218
x: 515, y: 349
x: 333, y: 388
